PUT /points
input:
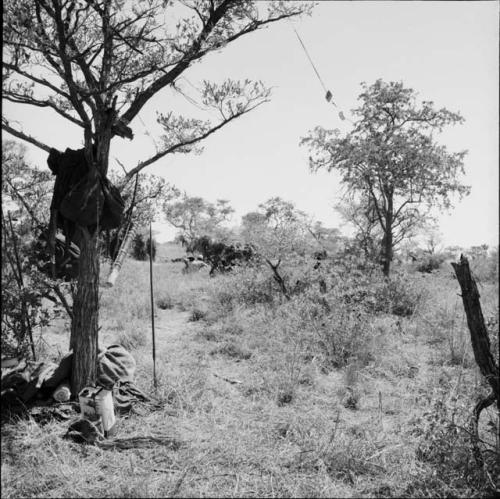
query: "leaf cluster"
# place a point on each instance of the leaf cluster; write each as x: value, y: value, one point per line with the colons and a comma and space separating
x: 196, y: 217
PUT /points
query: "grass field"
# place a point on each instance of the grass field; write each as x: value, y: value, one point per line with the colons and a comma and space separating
x: 273, y: 398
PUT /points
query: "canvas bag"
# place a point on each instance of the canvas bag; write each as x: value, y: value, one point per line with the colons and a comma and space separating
x: 84, y: 202
x: 114, y: 206
x: 93, y: 200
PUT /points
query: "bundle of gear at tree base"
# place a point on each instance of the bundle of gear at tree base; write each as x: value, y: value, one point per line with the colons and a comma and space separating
x: 28, y: 383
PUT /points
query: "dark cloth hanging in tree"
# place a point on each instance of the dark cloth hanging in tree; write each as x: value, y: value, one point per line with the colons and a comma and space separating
x: 82, y: 196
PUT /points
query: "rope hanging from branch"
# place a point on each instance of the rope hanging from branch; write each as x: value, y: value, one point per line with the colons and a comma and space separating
x: 328, y: 93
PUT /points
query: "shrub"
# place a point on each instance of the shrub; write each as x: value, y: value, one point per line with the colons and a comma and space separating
x: 445, y: 447
x: 331, y: 331
x: 23, y: 287
x: 399, y: 295
x: 231, y: 349
x: 485, y: 267
x: 196, y: 315
x: 342, y: 336
x: 141, y: 246
x: 247, y: 286
x: 165, y: 302
x: 430, y: 262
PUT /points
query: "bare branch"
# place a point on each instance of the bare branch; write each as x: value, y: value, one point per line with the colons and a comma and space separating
x: 20, y: 99
x: 23, y: 136
x: 180, y: 145
x: 40, y: 81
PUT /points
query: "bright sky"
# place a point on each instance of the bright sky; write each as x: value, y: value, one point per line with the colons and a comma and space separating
x: 447, y: 51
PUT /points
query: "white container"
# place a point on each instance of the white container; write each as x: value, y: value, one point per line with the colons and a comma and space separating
x: 62, y: 393
x: 98, y: 403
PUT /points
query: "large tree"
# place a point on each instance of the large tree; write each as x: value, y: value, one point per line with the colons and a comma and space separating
x: 97, y: 64
x: 195, y: 217
x: 390, y: 162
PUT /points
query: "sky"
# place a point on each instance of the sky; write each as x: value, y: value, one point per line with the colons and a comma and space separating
x: 446, y: 51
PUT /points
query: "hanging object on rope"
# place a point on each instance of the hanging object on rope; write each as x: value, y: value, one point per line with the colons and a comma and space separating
x: 328, y: 95
x: 312, y: 64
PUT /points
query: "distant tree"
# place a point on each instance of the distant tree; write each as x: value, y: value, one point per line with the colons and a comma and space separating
x: 280, y: 233
x: 151, y: 194
x: 433, y: 240
x: 327, y: 237
x: 148, y: 198
x: 139, y: 247
x: 196, y: 217
x: 479, y: 251
x: 97, y: 64
x: 390, y: 160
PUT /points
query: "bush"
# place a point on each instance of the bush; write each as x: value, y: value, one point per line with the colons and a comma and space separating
x: 23, y: 287
x: 233, y: 350
x: 329, y: 330
x: 399, y: 295
x: 196, y: 315
x: 343, y: 336
x: 141, y: 246
x: 247, y: 286
x: 165, y: 302
x: 445, y: 448
x: 485, y: 267
x: 430, y: 263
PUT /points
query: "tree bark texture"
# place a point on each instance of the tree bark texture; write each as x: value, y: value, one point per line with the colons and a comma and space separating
x: 387, y: 250
x: 85, y: 323
x: 388, y: 237
x: 475, y: 320
x: 84, y: 326
x: 277, y: 277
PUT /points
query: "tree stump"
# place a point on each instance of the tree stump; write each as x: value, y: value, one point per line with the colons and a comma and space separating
x: 482, y: 354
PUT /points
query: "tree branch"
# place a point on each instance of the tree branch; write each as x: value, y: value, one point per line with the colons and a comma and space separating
x: 40, y: 81
x: 183, y: 64
x: 179, y: 145
x: 375, y: 202
x: 27, y: 138
x: 20, y: 99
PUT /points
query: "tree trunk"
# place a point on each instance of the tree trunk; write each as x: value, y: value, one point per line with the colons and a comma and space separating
x: 278, y: 278
x: 387, y: 250
x: 387, y: 241
x: 84, y: 326
x: 483, y: 355
x: 475, y: 320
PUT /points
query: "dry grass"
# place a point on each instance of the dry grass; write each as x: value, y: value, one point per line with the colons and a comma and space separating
x: 260, y: 413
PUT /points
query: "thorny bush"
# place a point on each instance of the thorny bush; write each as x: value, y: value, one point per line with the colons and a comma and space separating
x: 23, y: 287
x: 445, y: 446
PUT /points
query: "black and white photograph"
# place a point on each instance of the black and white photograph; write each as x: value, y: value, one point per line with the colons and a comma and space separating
x: 250, y: 249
